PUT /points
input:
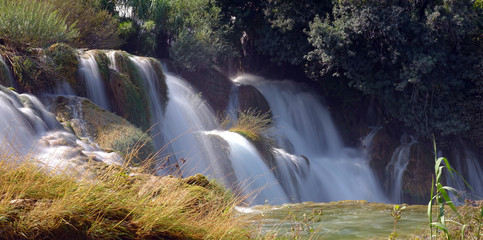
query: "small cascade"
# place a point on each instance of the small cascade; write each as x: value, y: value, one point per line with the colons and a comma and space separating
x: 465, y: 162
x: 396, y: 167
x: 157, y: 109
x: 366, y: 142
x: 256, y: 181
x: 5, y: 71
x: 187, y: 117
x: 28, y: 129
x: 89, y: 71
x: 305, y: 128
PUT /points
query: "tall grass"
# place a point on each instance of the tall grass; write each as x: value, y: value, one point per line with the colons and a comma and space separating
x: 32, y: 22
x: 115, y: 204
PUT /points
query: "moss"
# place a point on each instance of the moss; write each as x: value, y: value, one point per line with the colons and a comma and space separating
x: 161, y: 86
x: 108, y: 130
x: 66, y: 64
x: 116, y: 133
x: 134, y: 101
x: 103, y: 63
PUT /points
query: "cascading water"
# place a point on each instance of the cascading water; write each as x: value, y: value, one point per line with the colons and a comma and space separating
x: 89, y: 71
x: 306, y: 128
x: 396, y: 167
x: 466, y: 163
x: 150, y: 82
x: 28, y: 129
x: 187, y: 117
x: 255, y: 180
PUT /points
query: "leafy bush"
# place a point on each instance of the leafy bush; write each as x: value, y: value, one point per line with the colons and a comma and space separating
x: 417, y: 59
x: 33, y: 23
x: 96, y: 27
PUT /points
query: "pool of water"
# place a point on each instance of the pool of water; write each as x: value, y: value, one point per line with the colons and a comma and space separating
x: 336, y: 220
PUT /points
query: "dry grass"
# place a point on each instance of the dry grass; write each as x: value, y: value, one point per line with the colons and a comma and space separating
x: 253, y: 125
x: 116, y: 204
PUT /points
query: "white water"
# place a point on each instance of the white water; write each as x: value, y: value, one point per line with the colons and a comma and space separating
x: 27, y: 129
x: 186, y: 119
x: 151, y: 82
x: 255, y: 179
x: 89, y: 71
x: 306, y: 128
x: 396, y: 167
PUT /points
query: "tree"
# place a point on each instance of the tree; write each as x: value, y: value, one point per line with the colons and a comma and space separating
x: 415, y: 57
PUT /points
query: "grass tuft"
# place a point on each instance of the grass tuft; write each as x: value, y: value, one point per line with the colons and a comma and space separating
x: 118, y: 203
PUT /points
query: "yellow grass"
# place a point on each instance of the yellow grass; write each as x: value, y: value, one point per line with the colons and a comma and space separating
x: 115, y: 204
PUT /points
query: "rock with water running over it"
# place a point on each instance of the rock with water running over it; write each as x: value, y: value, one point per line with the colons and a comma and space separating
x: 213, y: 85
x: 249, y: 98
x: 108, y: 130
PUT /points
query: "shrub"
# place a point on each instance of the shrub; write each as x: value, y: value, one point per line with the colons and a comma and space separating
x: 27, y: 22
x: 97, y: 28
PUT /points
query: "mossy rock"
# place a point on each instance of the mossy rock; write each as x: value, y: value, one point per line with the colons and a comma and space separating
x: 131, y: 101
x: 107, y: 129
x: 65, y: 61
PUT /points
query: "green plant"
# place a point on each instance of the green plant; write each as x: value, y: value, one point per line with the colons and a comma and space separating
x: 396, y: 214
x: 252, y: 124
x: 304, y: 225
x: 27, y: 22
x: 440, y: 197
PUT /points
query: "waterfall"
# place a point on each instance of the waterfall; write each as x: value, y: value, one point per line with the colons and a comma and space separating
x: 150, y: 78
x: 255, y: 179
x: 305, y: 128
x: 187, y: 117
x: 396, y: 167
x: 89, y: 71
x: 6, y: 72
x: 465, y: 162
x: 27, y: 129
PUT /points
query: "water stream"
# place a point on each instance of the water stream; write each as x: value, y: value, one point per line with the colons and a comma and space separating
x: 305, y: 128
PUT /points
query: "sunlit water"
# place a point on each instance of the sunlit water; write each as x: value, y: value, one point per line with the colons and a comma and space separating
x: 336, y: 220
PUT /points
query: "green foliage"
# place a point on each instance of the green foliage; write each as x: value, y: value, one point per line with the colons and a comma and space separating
x: 189, y: 32
x: 64, y: 59
x: 129, y: 98
x: 414, y: 58
x: 396, y: 214
x: 96, y: 27
x: 27, y: 22
x: 285, y: 39
x: 440, y: 198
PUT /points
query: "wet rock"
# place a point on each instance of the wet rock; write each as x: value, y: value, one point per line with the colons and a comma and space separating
x: 109, y: 131
x: 213, y: 85
x: 250, y: 98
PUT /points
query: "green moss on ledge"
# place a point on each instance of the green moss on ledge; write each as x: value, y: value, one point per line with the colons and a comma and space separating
x: 109, y: 131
